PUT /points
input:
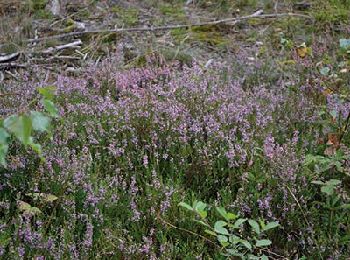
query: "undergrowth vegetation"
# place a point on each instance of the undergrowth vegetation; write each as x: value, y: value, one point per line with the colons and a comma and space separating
x: 135, y: 143
x: 246, y: 159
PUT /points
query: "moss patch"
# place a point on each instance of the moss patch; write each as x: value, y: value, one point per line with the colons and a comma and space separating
x: 129, y: 16
x: 173, y: 11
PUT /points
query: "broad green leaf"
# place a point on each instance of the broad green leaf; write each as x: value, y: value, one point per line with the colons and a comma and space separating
x: 202, y: 213
x: 20, y: 126
x: 325, y: 71
x: 234, y: 239
x: 234, y: 252
x: 255, y: 226
x: 34, y: 211
x: 328, y: 189
x: 239, y: 222
x: 246, y: 244
x: 339, y: 166
x: 22, y: 206
x: 271, y: 225
x: 344, y: 43
x: 185, y: 205
x: 40, y: 122
x: 219, y: 227
x: 27, y: 130
x: 263, y: 242
x: 10, y: 121
x: 36, y: 148
x: 3, y: 153
x: 5, y: 238
x: 226, y: 215
x: 4, y: 135
x: 334, y: 113
x: 222, y: 212
x: 231, y: 216
x: 345, y: 206
x: 47, y: 92
x: 28, y: 209
x: 50, y: 107
x: 49, y: 197
x: 199, y: 205
x: 345, y: 239
x: 333, y: 182
x: 223, y: 240
x: 42, y: 196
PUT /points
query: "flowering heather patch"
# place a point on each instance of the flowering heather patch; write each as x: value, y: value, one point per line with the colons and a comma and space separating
x: 134, y: 143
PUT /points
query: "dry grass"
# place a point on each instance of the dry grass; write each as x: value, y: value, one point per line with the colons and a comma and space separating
x: 10, y: 6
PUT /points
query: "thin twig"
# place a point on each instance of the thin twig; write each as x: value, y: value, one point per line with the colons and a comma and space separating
x: 170, y: 27
x: 345, y: 128
x: 297, y: 201
x: 274, y: 254
x: 9, y: 94
x: 276, y: 6
x: 305, y: 217
x: 12, y: 65
x: 186, y: 230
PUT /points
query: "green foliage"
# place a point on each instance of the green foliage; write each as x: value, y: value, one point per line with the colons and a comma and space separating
x: 329, y: 186
x: 232, y: 234
x: 344, y: 43
x: 38, y: 4
x: 129, y: 16
x: 22, y: 126
x: 99, y: 198
x: 334, y: 207
x: 322, y: 164
x: 27, y: 209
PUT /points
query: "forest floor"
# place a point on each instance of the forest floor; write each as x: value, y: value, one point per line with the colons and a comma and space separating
x: 163, y: 107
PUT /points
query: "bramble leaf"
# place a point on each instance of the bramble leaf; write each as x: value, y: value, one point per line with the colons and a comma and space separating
x: 28, y: 209
x: 271, y: 225
x: 226, y: 215
x: 47, y: 92
x: 4, y: 135
x: 40, y: 122
x: 50, y: 107
x: 45, y: 197
x: 344, y: 43
x: 20, y: 126
x: 255, y: 226
x: 239, y: 222
x: 219, y: 227
x: 185, y: 205
x: 246, y: 244
x: 3, y: 153
x: 263, y: 242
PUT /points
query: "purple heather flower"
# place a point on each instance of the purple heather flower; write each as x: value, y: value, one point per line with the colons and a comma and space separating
x: 21, y: 251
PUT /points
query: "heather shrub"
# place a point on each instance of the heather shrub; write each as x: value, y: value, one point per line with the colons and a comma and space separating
x: 135, y: 143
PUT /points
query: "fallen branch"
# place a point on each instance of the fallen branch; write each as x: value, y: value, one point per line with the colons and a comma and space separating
x: 11, y: 65
x: 9, y: 57
x: 256, y: 15
x: 56, y: 57
x: 65, y: 46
